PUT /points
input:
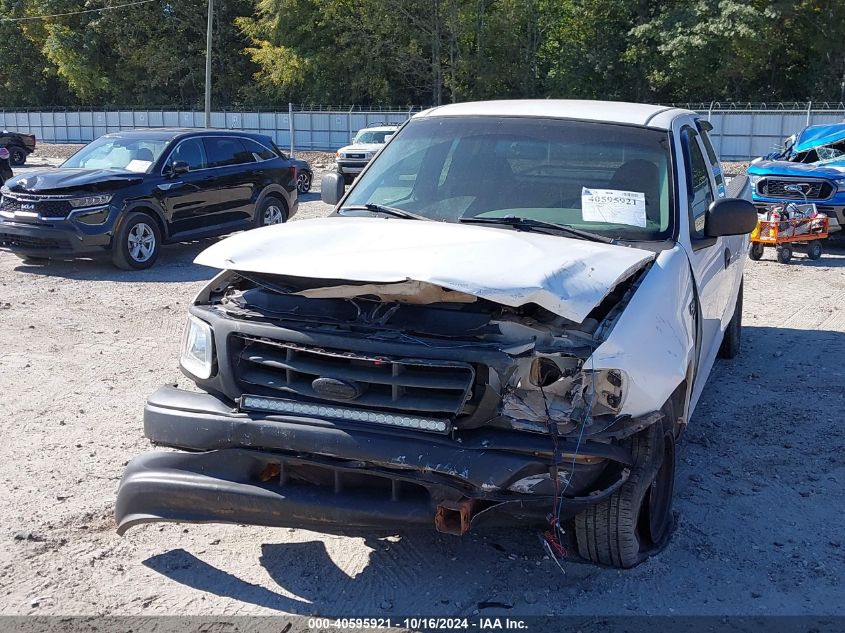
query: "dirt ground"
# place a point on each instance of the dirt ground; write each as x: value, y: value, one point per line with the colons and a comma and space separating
x: 759, y: 491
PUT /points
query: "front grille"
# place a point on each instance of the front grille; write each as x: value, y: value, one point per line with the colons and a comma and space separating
x: 811, y: 188
x: 23, y: 241
x: 44, y: 208
x: 424, y: 387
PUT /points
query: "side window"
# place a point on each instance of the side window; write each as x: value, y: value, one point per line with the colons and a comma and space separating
x: 223, y: 151
x: 698, y: 182
x: 192, y: 152
x: 258, y: 151
x: 714, y: 161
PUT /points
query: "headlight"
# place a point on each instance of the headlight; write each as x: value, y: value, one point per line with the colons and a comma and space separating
x: 197, y: 348
x: 369, y: 154
x: 754, y: 179
x: 840, y: 185
x: 561, y: 389
x: 89, y: 201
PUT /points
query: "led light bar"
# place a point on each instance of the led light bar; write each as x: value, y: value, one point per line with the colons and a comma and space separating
x: 276, y: 405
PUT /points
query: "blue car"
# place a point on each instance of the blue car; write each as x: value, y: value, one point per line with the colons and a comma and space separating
x: 811, y: 167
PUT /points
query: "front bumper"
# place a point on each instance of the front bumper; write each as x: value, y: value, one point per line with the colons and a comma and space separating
x: 351, y: 166
x: 55, y: 238
x: 290, y: 471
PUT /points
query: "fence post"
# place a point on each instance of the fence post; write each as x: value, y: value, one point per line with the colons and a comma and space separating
x: 291, y: 129
x: 809, y: 105
x: 348, y: 124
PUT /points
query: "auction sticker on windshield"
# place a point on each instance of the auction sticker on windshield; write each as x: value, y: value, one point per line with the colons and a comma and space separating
x: 613, y: 206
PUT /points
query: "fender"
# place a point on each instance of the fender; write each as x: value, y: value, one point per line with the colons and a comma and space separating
x: 654, y: 340
x: 145, y: 205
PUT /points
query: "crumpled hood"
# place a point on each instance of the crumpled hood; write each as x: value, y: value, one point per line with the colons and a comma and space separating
x: 818, y: 136
x: 73, y: 178
x: 566, y: 276
x: 829, y: 169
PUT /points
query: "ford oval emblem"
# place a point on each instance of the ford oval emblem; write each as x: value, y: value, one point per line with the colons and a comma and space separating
x: 336, y: 389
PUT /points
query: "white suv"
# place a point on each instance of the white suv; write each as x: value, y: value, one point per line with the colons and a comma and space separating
x: 352, y: 159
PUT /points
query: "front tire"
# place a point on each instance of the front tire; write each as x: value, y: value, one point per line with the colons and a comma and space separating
x: 784, y: 254
x: 755, y: 251
x: 732, y: 341
x: 636, y: 521
x: 137, y: 243
x: 814, y: 250
x: 17, y: 155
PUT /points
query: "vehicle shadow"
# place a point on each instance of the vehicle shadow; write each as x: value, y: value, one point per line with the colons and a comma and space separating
x: 403, y: 575
x: 175, y: 264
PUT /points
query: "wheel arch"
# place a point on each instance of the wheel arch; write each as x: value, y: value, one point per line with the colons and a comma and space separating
x: 146, y: 208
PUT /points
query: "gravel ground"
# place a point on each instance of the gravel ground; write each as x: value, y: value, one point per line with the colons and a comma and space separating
x: 759, y: 492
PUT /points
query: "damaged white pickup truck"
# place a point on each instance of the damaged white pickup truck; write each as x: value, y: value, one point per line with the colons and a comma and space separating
x: 510, y: 316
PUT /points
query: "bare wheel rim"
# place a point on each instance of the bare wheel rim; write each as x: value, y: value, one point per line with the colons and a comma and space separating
x: 273, y: 215
x: 302, y: 181
x: 141, y: 242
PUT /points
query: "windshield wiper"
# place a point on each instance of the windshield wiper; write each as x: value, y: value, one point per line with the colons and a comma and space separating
x: 528, y: 224
x: 380, y: 208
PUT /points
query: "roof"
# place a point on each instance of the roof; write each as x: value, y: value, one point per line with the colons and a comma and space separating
x: 818, y: 136
x: 173, y: 132
x: 603, y: 111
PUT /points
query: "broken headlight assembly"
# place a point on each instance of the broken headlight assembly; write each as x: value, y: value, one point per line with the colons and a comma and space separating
x: 559, y: 389
x: 197, y: 357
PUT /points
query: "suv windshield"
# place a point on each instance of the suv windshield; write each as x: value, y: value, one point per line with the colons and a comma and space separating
x: 136, y: 155
x: 372, y: 136
x: 609, y: 179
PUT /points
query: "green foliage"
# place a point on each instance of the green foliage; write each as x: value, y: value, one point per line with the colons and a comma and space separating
x: 269, y: 52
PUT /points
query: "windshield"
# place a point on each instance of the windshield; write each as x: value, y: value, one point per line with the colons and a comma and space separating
x: 372, y: 136
x: 613, y: 180
x: 136, y: 155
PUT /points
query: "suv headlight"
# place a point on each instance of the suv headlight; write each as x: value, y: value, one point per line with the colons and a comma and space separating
x: 89, y: 201
x: 754, y: 179
x: 840, y: 184
x: 197, y: 348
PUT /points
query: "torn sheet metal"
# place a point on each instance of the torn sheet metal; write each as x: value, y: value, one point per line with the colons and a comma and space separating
x: 567, y: 276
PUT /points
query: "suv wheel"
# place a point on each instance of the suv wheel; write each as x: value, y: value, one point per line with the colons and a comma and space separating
x: 636, y: 521
x: 303, y: 182
x: 271, y: 211
x: 17, y: 155
x: 137, y: 242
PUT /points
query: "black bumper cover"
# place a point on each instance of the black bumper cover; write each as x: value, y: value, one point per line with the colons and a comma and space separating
x: 343, y: 476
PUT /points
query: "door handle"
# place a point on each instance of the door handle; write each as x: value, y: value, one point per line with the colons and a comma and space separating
x: 727, y: 258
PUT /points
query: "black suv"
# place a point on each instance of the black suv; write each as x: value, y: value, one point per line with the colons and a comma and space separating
x: 129, y: 192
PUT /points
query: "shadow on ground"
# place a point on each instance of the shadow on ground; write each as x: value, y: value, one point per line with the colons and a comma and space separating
x: 175, y: 264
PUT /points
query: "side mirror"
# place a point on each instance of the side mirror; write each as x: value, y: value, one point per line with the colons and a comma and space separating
x: 730, y: 216
x: 332, y: 188
x: 179, y: 167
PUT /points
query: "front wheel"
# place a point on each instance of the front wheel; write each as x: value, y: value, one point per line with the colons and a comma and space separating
x: 636, y: 521
x: 814, y: 250
x: 784, y: 254
x: 755, y: 251
x: 137, y: 242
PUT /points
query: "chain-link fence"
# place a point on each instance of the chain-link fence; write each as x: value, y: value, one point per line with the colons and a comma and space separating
x: 741, y: 130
